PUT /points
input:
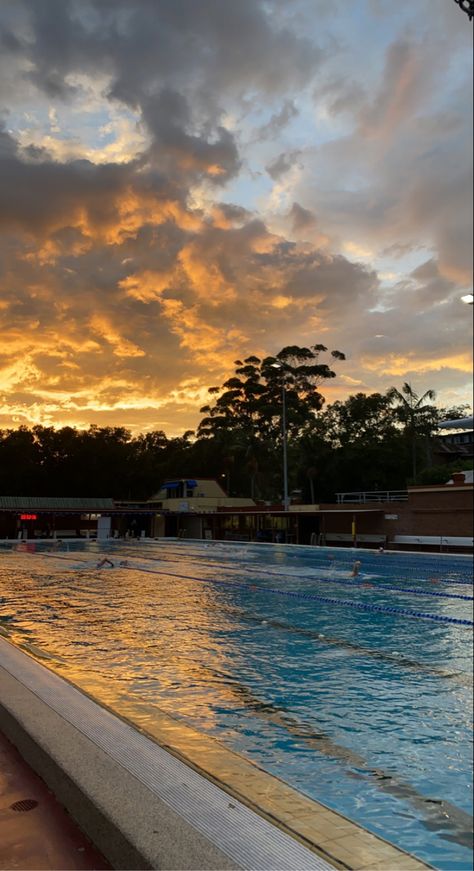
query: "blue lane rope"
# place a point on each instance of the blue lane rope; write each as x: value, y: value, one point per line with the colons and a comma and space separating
x: 376, y: 585
x: 406, y: 612
x: 387, y: 560
x: 359, y: 605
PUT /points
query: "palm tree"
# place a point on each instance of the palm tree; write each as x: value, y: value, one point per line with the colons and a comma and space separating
x: 415, y: 413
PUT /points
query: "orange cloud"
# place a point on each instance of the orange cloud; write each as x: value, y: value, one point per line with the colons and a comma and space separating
x: 121, y: 347
x: 206, y: 277
x: 399, y: 365
x: 147, y: 285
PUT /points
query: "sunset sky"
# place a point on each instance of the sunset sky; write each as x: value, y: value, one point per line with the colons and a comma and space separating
x: 186, y: 182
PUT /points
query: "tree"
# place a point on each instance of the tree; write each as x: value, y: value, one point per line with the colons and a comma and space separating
x: 248, y: 409
x: 418, y: 418
x: 250, y: 401
x: 354, y: 445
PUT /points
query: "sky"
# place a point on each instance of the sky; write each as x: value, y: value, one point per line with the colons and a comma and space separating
x: 184, y: 183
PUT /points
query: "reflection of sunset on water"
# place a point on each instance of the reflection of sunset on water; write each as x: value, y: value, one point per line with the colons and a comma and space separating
x: 121, y: 635
x: 275, y: 654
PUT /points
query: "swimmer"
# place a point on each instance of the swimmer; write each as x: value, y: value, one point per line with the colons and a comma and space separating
x: 123, y: 562
x: 105, y: 562
x: 381, y: 550
x: 355, y: 569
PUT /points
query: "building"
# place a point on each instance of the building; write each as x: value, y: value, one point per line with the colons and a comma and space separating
x: 64, y: 517
x: 430, y: 517
x: 455, y: 442
x: 184, y: 507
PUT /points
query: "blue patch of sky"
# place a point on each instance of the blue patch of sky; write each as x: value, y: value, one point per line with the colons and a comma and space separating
x: 248, y: 188
x: 75, y: 123
x: 400, y: 266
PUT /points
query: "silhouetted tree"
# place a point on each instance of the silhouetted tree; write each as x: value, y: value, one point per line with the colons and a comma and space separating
x: 418, y: 418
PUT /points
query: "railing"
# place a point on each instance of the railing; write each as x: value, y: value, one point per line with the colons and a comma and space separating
x: 373, y: 496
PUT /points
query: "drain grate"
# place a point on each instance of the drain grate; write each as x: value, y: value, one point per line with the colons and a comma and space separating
x: 26, y: 804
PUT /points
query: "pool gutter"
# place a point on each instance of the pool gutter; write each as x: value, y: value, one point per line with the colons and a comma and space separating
x: 181, y: 800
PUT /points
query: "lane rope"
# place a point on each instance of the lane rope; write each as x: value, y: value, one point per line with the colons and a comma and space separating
x: 354, y: 583
x: 361, y: 606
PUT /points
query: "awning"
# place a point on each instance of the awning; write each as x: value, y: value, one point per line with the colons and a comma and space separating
x: 173, y: 485
x: 460, y: 423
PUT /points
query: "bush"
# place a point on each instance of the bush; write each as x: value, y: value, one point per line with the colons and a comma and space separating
x: 442, y: 474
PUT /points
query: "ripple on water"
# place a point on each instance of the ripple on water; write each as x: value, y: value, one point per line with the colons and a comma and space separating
x: 350, y: 707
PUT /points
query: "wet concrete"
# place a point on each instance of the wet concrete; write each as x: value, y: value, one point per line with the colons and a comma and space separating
x: 35, y: 830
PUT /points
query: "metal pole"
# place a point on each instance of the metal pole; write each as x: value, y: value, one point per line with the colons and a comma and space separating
x: 286, y: 501
x: 354, y: 531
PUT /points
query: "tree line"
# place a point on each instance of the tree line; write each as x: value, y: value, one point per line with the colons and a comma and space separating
x: 367, y: 442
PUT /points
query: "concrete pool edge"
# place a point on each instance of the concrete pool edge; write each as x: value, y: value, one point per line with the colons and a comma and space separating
x: 87, y: 783
x: 28, y: 721
x: 142, y: 807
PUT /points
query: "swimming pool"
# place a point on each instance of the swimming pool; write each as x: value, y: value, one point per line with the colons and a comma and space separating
x: 356, y: 691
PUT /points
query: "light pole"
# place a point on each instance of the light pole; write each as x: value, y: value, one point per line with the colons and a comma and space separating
x: 286, y: 501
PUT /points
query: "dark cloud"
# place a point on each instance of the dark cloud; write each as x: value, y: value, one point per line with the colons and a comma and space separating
x: 210, y: 153
x: 40, y: 195
x: 301, y: 219
x: 277, y: 122
x: 282, y: 164
x: 340, y: 94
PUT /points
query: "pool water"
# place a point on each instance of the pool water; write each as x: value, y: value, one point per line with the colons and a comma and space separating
x: 357, y: 691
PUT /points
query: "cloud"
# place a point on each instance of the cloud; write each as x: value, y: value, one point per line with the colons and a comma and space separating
x: 184, y: 183
x: 282, y: 164
x: 402, y: 172
x: 301, y: 219
x: 278, y: 121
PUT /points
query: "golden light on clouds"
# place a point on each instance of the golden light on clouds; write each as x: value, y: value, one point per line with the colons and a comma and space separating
x: 281, y: 301
x: 399, y: 365
x: 355, y: 249
x: 169, y: 204
x: 121, y: 347
x: 147, y: 285
x: 205, y: 276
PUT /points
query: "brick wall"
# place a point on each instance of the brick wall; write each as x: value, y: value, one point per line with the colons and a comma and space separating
x: 432, y: 510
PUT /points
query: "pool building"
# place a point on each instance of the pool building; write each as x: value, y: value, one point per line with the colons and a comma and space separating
x: 429, y: 517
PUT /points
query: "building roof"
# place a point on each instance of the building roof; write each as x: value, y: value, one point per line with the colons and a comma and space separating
x: 460, y: 423
x: 55, y: 503
x: 468, y: 477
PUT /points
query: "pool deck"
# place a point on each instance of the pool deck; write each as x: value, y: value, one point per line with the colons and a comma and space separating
x: 35, y: 831
x: 159, y: 794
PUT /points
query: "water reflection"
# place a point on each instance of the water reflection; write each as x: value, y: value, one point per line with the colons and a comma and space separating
x: 314, y: 693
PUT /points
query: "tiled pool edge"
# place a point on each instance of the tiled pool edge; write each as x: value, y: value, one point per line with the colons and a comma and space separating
x: 333, y: 836
x: 327, y: 834
x: 121, y: 786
